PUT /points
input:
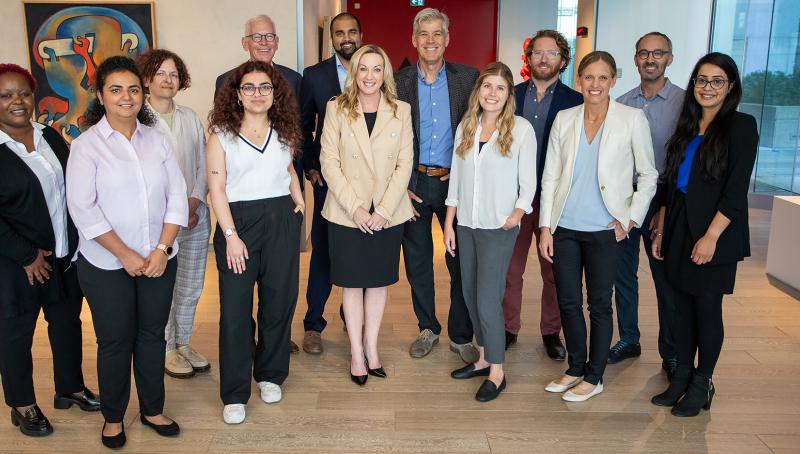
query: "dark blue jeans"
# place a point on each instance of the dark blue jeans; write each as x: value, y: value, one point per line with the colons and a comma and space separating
x: 626, y: 294
x: 319, y: 267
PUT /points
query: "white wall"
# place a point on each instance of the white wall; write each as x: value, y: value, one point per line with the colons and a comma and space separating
x: 621, y: 23
x: 518, y: 20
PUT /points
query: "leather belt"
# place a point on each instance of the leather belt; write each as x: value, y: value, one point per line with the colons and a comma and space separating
x: 433, y: 171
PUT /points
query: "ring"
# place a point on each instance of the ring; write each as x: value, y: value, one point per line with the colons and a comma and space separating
x: 240, y: 259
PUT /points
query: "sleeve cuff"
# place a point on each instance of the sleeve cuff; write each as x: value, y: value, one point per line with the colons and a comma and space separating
x: 180, y: 219
x: 95, y: 230
x: 451, y: 202
x: 383, y: 214
x: 527, y: 208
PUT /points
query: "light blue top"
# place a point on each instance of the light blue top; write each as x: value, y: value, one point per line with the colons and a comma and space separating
x: 584, y: 209
x: 685, y: 169
x: 341, y: 72
x: 435, y: 127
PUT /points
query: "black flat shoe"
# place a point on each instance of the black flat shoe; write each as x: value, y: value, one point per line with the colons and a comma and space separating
x: 165, y: 430
x: 33, y: 423
x: 469, y: 371
x: 553, y: 346
x: 511, y: 339
x: 377, y: 372
x: 489, y: 391
x: 87, y: 401
x: 360, y: 380
x: 115, y: 441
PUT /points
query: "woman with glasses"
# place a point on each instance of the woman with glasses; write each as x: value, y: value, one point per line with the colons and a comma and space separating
x: 704, y: 223
x: 255, y: 193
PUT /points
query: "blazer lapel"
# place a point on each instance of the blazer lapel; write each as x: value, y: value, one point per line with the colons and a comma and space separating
x: 384, y: 115
x: 576, y: 132
x: 610, y: 116
x: 333, y: 76
x: 359, y: 126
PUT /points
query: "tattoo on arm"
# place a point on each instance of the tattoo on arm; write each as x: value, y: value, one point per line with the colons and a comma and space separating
x: 214, y: 172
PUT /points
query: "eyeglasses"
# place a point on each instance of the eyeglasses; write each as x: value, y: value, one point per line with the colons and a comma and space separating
x: 658, y: 54
x: 551, y: 54
x: 258, y: 37
x: 250, y: 89
x: 702, y: 82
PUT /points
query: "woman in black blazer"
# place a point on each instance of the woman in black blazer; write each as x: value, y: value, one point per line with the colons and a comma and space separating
x: 37, y: 243
x: 703, y: 229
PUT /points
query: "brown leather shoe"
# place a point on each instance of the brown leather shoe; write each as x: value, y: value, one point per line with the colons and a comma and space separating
x: 293, y: 348
x: 312, y: 343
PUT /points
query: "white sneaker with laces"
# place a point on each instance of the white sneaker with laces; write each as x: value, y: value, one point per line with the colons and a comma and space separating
x: 233, y: 413
x: 270, y: 392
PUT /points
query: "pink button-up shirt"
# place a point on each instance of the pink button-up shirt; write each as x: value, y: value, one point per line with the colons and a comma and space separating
x: 131, y: 187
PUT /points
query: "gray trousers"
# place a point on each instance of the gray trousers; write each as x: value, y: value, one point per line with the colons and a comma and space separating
x: 484, y: 255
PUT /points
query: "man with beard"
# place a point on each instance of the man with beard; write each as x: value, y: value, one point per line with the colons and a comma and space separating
x: 661, y: 102
x: 539, y: 100
x: 321, y: 82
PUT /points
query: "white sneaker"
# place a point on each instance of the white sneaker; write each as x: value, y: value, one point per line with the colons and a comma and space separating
x: 233, y: 414
x: 555, y: 387
x: 570, y: 396
x: 270, y: 392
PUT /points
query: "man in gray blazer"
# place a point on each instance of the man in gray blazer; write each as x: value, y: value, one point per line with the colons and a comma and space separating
x: 438, y: 92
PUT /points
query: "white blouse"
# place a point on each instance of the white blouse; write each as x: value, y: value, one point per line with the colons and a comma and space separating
x: 255, y: 171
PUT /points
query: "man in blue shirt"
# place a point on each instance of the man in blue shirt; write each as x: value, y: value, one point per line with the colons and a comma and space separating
x: 661, y: 102
x: 438, y: 92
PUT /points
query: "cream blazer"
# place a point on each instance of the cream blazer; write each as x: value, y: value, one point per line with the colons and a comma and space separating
x: 363, y: 170
x: 625, y: 147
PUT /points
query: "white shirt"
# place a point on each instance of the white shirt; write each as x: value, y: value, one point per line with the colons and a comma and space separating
x: 45, y: 165
x: 131, y: 187
x: 253, y: 174
x: 487, y: 187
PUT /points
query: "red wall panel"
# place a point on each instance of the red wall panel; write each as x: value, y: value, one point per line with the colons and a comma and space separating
x: 473, y: 28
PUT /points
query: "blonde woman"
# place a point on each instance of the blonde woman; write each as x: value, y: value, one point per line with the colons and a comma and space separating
x: 492, y: 184
x: 366, y: 158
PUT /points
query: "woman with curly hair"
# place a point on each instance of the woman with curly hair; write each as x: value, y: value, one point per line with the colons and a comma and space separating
x: 127, y: 196
x: 492, y: 184
x: 366, y: 158
x: 255, y: 193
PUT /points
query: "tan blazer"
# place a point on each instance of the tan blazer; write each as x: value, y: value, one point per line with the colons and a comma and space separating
x: 625, y: 147
x: 364, y: 170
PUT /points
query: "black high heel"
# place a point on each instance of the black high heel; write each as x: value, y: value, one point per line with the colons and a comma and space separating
x: 360, y: 380
x: 114, y: 441
x: 378, y: 372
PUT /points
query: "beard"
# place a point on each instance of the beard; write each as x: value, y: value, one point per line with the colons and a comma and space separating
x: 539, y: 73
x: 346, y: 55
x: 655, y: 75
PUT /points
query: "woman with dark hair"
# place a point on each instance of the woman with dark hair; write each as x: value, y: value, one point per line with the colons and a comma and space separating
x: 703, y: 228
x: 492, y: 184
x: 127, y: 197
x: 588, y: 205
x: 255, y: 192
x: 165, y: 74
x: 37, y: 244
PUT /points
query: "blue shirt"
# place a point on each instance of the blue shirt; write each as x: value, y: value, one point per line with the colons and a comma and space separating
x: 685, y: 169
x: 435, y: 127
x: 584, y: 209
x: 340, y: 72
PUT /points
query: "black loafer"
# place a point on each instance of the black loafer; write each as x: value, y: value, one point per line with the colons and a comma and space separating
x: 33, y: 423
x: 469, y: 371
x: 165, y: 430
x: 87, y: 401
x: 511, y: 339
x: 553, y: 346
x: 115, y: 441
x: 489, y: 391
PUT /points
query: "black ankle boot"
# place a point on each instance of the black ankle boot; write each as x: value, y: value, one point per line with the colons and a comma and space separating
x: 699, y: 395
x: 677, y: 387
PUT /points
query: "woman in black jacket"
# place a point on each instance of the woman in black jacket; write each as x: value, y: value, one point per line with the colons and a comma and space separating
x: 37, y: 243
x: 703, y: 229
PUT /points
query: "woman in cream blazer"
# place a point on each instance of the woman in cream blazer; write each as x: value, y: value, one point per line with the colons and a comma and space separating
x: 366, y: 158
x: 588, y: 205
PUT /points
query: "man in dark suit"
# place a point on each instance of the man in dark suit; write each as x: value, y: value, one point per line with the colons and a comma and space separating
x: 539, y: 100
x: 321, y: 82
x: 438, y: 92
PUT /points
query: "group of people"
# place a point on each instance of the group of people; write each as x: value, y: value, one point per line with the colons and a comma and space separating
x: 121, y: 216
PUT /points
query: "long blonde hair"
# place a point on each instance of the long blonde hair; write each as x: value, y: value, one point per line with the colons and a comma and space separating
x: 505, y: 123
x: 348, y: 100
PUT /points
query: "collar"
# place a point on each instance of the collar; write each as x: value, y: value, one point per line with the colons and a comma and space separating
x: 37, y: 133
x: 439, y: 74
x: 664, y: 93
x: 105, y: 129
x: 550, y: 88
x: 339, y: 64
x: 175, y: 108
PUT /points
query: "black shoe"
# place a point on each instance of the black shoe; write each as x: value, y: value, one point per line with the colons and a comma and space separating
x: 699, y: 395
x: 489, y: 391
x: 165, y: 430
x: 553, y: 346
x: 33, y: 423
x: 669, y: 366
x: 87, y: 400
x: 114, y: 441
x: 360, y: 380
x: 677, y: 387
x: 469, y: 371
x: 623, y: 350
x: 378, y: 372
x: 511, y: 339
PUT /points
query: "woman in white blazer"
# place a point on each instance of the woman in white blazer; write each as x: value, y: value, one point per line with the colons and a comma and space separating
x: 588, y: 205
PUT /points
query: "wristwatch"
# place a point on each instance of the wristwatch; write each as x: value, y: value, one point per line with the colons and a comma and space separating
x: 167, y: 250
x: 229, y: 232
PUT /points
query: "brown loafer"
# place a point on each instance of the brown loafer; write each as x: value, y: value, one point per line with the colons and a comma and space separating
x: 312, y: 343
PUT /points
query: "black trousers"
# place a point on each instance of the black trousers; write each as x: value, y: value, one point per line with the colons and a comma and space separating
x: 129, y: 315
x: 699, y: 330
x: 64, y: 332
x: 270, y: 231
x: 319, y: 267
x: 593, y: 255
x: 418, y: 257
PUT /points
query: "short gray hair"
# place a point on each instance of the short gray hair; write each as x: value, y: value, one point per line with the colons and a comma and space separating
x: 431, y: 14
x: 259, y: 18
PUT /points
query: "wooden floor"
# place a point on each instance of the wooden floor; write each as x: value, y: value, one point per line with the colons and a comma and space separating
x: 419, y: 408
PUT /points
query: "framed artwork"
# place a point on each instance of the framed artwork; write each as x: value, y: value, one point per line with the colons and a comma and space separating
x: 67, y: 41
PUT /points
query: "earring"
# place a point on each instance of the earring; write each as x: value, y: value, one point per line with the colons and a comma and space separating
x: 239, y: 101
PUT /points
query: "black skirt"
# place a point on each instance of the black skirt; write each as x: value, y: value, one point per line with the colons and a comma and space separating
x: 682, y: 273
x: 361, y: 260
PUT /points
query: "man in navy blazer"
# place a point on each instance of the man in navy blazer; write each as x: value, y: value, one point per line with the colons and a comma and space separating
x: 321, y: 82
x: 539, y: 100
